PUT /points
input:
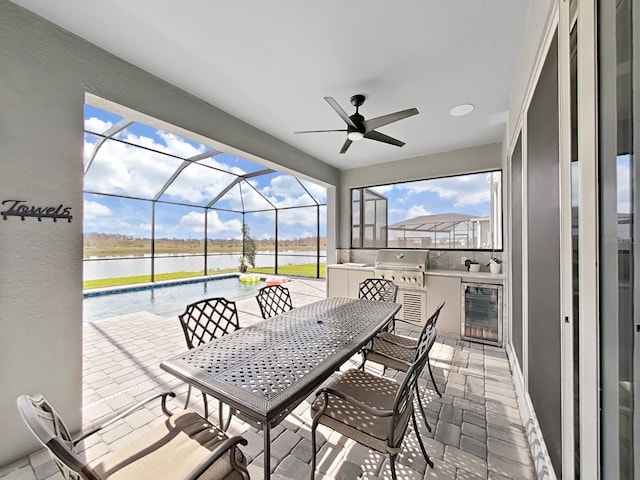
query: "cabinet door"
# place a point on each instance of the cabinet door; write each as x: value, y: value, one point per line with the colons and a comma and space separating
x: 337, y: 282
x: 449, y: 290
x: 355, y: 277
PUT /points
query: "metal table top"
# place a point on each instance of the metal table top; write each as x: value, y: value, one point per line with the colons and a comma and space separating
x: 267, y: 369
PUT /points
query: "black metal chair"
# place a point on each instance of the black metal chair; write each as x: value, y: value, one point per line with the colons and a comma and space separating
x: 379, y: 289
x: 184, y: 446
x: 203, y: 321
x: 274, y: 300
x: 372, y: 410
x: 382, y: 290
x: 396, y: 351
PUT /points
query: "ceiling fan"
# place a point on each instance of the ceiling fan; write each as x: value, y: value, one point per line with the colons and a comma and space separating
x: 359, y: 128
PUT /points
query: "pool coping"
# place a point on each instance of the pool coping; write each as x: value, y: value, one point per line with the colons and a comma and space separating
x: 147, y: 285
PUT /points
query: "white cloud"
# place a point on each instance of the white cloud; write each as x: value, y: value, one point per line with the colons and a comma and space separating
x: 194, y: 222
x: 463, y: 190
x: 96, y: 209
x: 417, y: 211
x: 128, y: 170
x: 97, y: 125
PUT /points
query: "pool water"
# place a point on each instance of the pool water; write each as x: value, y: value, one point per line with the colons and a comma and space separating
x: 164, y: 300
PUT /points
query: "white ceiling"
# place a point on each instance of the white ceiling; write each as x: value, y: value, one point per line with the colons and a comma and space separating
x: 270, y: 63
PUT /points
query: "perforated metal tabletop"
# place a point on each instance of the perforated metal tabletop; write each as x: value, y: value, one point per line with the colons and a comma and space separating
x: 267, y: 369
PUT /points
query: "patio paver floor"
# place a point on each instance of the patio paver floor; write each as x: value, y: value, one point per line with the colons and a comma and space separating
x: 477, y: 431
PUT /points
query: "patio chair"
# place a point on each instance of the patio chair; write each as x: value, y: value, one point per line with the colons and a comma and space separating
x: 382, y: 290
x: 370, y: 409
x: 274, y: 300
x: 397, y: 351
x: 203, y: 321
x: 184, y: 446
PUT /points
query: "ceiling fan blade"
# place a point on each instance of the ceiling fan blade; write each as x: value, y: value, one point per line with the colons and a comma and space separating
x: 381, y: 137
x: 347, y: 144
x: 340, y: 111
x: 319, y: 131
x: 377, y: 122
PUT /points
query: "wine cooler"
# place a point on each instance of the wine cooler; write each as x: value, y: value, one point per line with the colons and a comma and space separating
x: 482, y: 313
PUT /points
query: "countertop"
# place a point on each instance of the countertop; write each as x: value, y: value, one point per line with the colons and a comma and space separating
x: 464, y: 275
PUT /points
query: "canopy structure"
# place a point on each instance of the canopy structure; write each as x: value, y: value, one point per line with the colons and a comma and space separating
x: 445, y: 230
x: 145, y: 183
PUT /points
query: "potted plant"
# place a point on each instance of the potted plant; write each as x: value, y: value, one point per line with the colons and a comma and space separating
x: 494, y: 265
x: 472, y: 265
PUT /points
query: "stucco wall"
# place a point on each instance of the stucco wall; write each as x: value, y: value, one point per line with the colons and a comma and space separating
x: 466, y: 160
x: 45, y: 72
x: 538, y: 16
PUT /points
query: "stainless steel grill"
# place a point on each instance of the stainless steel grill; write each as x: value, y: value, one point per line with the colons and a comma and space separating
x: 406, y: 268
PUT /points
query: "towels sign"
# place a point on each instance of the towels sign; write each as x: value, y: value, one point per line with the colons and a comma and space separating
x: 20, y: 208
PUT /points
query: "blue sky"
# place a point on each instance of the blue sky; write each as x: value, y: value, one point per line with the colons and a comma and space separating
x: 122, y: 169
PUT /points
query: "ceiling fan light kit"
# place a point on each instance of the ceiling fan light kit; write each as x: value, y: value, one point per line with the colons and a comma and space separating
x: 359, y: 128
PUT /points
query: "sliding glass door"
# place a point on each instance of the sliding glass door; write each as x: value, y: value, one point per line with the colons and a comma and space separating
x: 618, y: 140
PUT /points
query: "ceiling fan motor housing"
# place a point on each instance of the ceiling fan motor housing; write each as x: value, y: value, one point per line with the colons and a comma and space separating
x: 357, y: 100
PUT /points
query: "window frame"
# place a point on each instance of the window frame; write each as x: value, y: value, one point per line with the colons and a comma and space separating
x: 361, y: 189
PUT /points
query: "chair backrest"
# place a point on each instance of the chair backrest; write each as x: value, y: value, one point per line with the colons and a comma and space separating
x: 379, y: 289
x: 47, y: 426
x: 274, y: 300
x: 208, y: 319
x: 403, y: 403
x: 431, y: 321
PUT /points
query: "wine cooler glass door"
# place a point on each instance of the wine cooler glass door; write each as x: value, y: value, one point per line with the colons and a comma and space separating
x: 482, y: 313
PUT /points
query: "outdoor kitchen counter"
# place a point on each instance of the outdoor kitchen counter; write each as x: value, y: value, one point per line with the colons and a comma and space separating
x: 357, y: 266
x: 465, y: 276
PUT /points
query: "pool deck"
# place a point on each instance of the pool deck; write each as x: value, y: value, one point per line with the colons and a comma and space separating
x: 477, y: 430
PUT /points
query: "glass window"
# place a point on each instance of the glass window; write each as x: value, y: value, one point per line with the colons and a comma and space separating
x: 463, y: 211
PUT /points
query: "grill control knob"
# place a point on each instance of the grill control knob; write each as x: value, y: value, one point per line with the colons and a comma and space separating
x: 404, y: 279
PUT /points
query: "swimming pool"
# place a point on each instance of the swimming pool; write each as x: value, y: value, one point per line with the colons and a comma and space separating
x: 166, y: 300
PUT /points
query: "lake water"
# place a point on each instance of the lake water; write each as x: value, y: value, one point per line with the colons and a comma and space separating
x: 166, y: 300
x: 95, y: 269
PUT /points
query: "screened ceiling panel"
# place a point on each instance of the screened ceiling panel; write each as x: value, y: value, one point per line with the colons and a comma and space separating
x: 121, y: 169
x: 318, y: 192
x: 252, y: 199
x: 283, y: 190
x: 99, y: 121
x: 197, y: 185
x: 231, y: 163
x: 155, y: 139
x: 130, y: 159
x: 90, y: 144
x: 230, y: 200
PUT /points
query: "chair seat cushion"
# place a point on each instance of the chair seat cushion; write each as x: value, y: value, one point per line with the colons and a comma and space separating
x: 170, y: 450
x: 399, y: 339
x: 350, y: 420
x: 390, y: 355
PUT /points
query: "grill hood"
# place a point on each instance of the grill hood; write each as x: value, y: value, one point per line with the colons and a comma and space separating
x: 402, y: 260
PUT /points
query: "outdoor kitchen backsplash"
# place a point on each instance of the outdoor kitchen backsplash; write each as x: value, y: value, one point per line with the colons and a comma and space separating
x: 438, y: 259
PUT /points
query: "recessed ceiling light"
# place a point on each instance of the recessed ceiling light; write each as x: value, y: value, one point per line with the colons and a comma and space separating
x: 461, y: 110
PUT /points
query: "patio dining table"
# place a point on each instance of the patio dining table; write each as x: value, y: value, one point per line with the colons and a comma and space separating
x: 264, y: 371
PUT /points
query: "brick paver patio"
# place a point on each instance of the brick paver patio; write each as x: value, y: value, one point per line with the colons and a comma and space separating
x: 477, y: 430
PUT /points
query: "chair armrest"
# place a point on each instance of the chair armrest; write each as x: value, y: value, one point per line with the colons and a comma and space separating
x: 216, y: 453
x: 337, y: 393
x: 126, y: 413
x: 415, y: 324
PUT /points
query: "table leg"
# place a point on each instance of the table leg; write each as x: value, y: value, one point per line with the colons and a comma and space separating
x: 266, y: 430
